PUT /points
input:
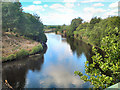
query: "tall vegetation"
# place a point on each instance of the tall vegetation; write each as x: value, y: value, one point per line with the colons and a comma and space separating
x: 94, y: 31
x: 15, y: 20
x: 104, y: 70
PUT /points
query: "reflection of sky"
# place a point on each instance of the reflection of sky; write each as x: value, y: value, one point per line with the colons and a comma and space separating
x: 58, y: 68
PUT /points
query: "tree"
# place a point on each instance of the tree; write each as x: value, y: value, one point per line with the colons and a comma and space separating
x: 10, y: 15
x: 14, y: 20
x: 95, y: 20
x: 75, y: 23
x: 105, y: 71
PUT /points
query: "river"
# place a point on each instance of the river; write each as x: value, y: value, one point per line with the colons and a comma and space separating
x: 54, y: 69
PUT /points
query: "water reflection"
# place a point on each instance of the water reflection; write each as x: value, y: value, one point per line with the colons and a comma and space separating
x: 54, y: 69
x: 15, y: 72
x: 79, y: 47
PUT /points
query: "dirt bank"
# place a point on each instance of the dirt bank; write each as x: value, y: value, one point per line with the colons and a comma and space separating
x: 13, y: 43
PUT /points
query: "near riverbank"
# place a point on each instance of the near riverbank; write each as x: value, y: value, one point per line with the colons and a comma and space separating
x: 15, y: 46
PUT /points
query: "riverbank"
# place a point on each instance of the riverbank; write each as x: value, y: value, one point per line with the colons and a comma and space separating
x: 15, y: 46
x: 84, y: 39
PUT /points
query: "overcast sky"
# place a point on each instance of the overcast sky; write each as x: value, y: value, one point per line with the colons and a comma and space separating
x: 59, y: 12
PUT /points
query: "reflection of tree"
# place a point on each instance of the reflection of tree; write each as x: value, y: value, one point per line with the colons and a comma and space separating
x: 80, y: 47
x: 15, y: 72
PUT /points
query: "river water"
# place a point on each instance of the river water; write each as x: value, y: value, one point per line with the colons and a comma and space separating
x: 54, y: 69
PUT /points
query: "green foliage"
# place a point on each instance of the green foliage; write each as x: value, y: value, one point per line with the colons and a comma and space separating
x: 36, y: 49
x: 10, y: 15
x: 95, y: 20
x: 14, y: 20
x: 22, y: 53
x: 78, y: 73
x: 105, y: 71
x: 96, y: 29
x: 101, y: 29
x: 75, y: 23
x: 82, y: 26
x: 11, y: 57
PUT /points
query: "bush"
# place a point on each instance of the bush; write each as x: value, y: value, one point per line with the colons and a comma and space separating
x: 11, y: 57
x: 22, y: 53
x: 36, y: 49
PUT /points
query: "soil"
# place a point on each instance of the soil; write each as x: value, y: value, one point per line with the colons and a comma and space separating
x: 12, y: 43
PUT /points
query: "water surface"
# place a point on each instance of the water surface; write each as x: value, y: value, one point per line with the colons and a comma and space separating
x: 54, y: 69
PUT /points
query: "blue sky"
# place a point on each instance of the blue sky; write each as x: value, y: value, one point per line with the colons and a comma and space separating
x: 59, y: 12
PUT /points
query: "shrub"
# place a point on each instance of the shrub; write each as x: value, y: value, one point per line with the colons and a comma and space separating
x: 11, y: 57
x: 36, y: 49
x: 22, y: 53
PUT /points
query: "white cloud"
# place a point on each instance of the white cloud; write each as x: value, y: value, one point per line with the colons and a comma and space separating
x: 36, y: 2
x: 45, y: 5
x: 93, y: 10
x: 69, y: 1
x: 56, y: 6
x: 114, y: 5
x: 57, y: 76
x: 87, y: 1
x: 69, y: 5
x: 90, y: 12
x: 33, y: 8
x: 98, y: 4
x: 57, y: 18
x: 113, y: 12
x: 67, y: 8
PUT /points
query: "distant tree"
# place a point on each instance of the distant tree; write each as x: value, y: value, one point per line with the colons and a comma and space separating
x: 75, y: 23
x: 95, y: 20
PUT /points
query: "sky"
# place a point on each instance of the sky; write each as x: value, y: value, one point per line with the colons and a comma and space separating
x: 59, y: 12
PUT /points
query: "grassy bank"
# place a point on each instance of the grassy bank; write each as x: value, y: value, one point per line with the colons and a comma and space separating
x: 23, y: 53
